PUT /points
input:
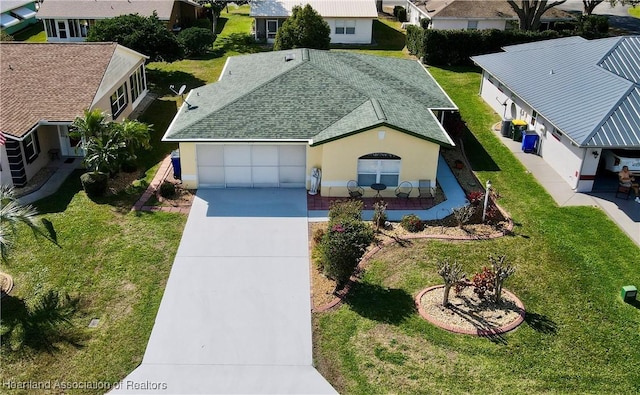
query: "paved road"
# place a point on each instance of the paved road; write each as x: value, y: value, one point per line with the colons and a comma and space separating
x: 618, y: 16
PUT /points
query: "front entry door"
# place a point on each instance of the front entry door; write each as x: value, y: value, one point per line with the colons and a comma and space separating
x: 68, y: 145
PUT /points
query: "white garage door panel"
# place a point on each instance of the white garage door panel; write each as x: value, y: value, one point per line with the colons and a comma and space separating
x: 260, y: 166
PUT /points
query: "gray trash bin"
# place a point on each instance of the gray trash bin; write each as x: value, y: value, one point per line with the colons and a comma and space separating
x: 505, y: 128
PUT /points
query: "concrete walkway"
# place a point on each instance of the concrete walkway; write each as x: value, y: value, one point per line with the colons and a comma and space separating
x: 235, y: 317
x: 625, y: 213
x: 51, y: 186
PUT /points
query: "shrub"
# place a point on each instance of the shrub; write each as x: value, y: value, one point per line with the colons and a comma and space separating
x: 196, y: 40
x: 305, y: 28
x: 402, y: 15
x: 412, y: 223
x: 452, y: 274
x: 501, y: 271
x: 483, y: 282
x: 415, y: 40
x: 345, y: 209
x: 476, y: 198
x: 167, y: 190
x: 379, y: 214
x: 342, y: 246
x: 4, y: 36
x: 94, y: 184
x: 463, y: 214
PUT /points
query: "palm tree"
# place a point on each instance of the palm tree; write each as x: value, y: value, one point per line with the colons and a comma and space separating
x: 12, y: 214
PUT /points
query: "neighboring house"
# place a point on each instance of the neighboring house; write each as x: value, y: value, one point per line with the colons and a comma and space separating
x: 45, y: 86
x: 580, y: 96
x: 351, y: 22
x: 273, y: 117
x: 473, y: 15
x: 17, y: 15
x: 70, y: 20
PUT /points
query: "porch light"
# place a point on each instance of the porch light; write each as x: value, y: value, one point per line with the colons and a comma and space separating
x: 595, y: 154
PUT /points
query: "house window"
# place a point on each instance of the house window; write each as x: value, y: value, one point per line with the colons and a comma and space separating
x: 556, y: 133
x: 138, y: 83
x: 346, y: 26
x: 119, y: 101
x: 50, y: 26
x: 472, y: 25
x: 379, y: 167
x: 31, y: 147
x: 534, y: 117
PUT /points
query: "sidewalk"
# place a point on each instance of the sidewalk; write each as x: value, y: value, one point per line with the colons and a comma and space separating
x: 163, y: 171
x: 625, y: 213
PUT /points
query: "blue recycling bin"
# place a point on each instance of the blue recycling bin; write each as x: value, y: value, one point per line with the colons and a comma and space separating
x: 529, y: 141
x: 175, y: 162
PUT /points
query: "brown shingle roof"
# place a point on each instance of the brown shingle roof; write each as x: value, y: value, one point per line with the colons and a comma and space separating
x: 493, y: 9
x: 48, y: 81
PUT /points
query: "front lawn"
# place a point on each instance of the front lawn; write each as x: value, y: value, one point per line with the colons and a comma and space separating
x: 578, y: 336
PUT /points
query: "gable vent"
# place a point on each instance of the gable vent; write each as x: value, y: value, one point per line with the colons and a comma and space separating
x: 289, y: 57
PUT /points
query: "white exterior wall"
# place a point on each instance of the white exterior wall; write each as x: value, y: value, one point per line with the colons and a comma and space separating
x: 568, y: 160
x: 462, y: 24
x: 363, y: 33
x: 413, y: 14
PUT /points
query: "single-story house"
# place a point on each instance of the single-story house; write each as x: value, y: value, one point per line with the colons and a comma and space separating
x: 70, y: 20
x: 40, y: 98
x: 473, y: 15
x: 274, y: 117
x: 580, y: 96
x: 351, y: 22
x: 16, y: 15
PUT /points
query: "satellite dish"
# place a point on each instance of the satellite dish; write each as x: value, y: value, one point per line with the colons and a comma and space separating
x: 182, y: 88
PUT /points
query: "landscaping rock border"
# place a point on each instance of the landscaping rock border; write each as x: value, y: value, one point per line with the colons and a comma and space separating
x: 475, y: 332
x: 342, y: 293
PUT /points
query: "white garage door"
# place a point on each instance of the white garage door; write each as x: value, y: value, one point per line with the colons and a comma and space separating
x: 253, y: 166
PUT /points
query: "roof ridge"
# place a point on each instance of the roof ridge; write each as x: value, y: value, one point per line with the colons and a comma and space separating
x: 244, y: 94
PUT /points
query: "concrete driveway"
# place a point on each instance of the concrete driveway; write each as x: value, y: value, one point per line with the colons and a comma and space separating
x: 236, y: 315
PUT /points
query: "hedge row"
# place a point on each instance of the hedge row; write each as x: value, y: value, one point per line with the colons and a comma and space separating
x: 455, y: 47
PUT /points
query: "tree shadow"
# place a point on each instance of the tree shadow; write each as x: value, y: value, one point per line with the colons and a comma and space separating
x: 477, y: 155
x: 40, y: 327
x: 160, y: 80
x: 59, y: 201
x: 221, y: 24
x: 388, y: 305
x: 541, y: 323
x: 236, y: 42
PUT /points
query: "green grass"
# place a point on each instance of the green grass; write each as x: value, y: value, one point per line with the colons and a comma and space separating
x: 388, y: 39
x: 578, y: 335
x: 634, y: 12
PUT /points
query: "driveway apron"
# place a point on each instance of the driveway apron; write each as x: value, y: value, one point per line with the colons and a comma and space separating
x: 236, y: 315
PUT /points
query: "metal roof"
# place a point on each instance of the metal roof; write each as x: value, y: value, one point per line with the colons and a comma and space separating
x: 326, y: 8
x: 8, y: 5
x: 315, y: 96
x: 100, y: 9
x: 588, y: 89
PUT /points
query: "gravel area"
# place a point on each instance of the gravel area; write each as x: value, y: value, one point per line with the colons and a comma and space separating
x: 467, y: 312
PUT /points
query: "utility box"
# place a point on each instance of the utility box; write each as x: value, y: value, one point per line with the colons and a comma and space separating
x: 629, y: 293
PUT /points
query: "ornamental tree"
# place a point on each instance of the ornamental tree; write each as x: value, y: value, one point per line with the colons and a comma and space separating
x: 305, y: 28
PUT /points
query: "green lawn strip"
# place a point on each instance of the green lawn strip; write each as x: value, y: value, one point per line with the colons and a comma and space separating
x: 634, y: 12
x: 388, y: 39
x: 572, y: 261
x: 116, y: 265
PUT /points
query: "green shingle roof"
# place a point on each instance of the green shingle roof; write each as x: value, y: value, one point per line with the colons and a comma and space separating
x: 317, y: 96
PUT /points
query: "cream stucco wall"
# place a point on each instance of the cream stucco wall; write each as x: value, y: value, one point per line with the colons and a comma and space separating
x: 339, y: 159
x: 189, y: 165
